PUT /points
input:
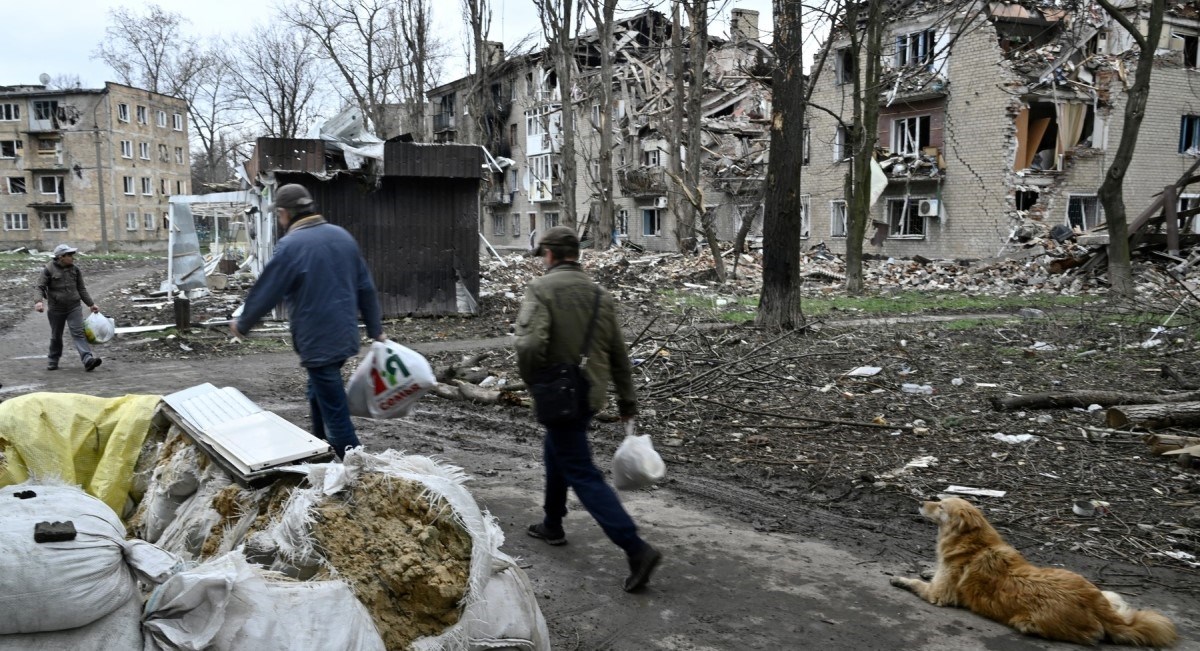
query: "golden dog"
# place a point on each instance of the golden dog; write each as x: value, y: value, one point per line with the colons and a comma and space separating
x: 976, y: 569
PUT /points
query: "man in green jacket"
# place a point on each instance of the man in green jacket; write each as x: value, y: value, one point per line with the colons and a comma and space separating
x: 60, y: 289
x: 551, y: 329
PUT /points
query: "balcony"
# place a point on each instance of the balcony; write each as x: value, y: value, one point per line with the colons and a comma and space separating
x: 644, y: 182
x: 498, y: 198
x: 443, y: 122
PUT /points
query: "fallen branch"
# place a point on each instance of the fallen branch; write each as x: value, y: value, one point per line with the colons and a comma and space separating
x: 1084, y: 399
x: 808, y: 419
x: 1154, y: 416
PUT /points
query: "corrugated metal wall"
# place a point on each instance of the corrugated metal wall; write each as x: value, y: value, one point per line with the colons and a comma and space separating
x: 418, y: 235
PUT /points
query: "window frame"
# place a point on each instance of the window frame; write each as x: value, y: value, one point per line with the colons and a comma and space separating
x: 516, y: 224
x: 498, y: 220
x: 899, y: 127
x: 18, y: 146
x: 1071, y: 196
x: 127, y: 149
x: 179, y: 155
x: 161, y: 119
x: 550, y: 219
x: 833, y: 218
x: 904, y: 233
x: 918, y: 48
x: 17, y: 217
x: 147, y: 186
x: 805, y: 216
x: 10, y: 112
x: 650, y: 216
x: 841, y: 152
x: 144, y: 150
x: 58, y: 183
x: 623, y: 222
x: 54, y: 221
x: 1189, y: 134
x: 9, y: 185
x: 844, y: 67
x: 131, y: 221
x: 148, y: 221
x: 39, y: 109
x: 122, y: 112
x: 128, y: 186
x: 143, y: 114
x: 177, y: 122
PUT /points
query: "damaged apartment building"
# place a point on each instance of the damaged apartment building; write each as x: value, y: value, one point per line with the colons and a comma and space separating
x: 93, y: 167
x: 522, y: 126
x: 998, y: 121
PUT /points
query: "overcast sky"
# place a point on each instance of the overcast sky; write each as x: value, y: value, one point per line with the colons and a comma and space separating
x: 60, y: 38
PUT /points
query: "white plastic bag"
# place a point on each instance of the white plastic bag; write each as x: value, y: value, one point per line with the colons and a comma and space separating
x: 636, y: 464
x: 389, y: 381
x: 98, y: 328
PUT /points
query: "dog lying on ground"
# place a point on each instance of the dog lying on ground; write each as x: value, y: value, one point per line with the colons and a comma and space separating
x: 976, y: 569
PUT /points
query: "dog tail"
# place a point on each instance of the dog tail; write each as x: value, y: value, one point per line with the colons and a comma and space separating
x: 1139, y: 627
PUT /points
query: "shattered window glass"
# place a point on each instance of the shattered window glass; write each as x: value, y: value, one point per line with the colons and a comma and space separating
x: 805, y: 216
x: 651, y: 222
x: 910, y: 135
x: 16, y: 185
x: 10, y: 112
x: 44, y: 109
x: 904, y: 218
x: 1083, y: 211
x: 837, y: 218
x: 1189, y: 134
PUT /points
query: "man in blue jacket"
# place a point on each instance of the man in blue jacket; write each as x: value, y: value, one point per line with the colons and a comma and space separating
x: 318, y: 271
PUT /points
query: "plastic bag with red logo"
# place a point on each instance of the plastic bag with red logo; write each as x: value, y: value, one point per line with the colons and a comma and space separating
x: 389, y: 381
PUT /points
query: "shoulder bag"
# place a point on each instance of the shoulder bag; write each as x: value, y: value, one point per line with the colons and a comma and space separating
x: 560, y: 392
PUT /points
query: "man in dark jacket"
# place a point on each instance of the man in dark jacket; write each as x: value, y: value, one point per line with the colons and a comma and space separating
x: 551, y: 329
x: 60, y: 289
x: 318, y: 271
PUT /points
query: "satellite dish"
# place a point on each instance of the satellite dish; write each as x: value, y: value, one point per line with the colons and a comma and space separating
x: 44, y: 78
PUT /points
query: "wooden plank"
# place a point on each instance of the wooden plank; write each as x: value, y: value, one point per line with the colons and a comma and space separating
x: 1170, y: 202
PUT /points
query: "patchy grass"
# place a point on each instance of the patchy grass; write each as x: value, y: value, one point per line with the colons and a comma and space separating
x: 967, y: 324
x: 924, y: 302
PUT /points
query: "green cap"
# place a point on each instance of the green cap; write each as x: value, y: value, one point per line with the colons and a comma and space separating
x: 558, y: 236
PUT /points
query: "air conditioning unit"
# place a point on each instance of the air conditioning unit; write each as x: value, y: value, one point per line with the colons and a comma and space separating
x: 928, y: 208
x: 660, y: 202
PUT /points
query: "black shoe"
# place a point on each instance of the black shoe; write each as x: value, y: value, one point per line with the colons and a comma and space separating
x: 641, y: 566
x: 52, y: 366
x: 91, y: 364
x: 540, y: 532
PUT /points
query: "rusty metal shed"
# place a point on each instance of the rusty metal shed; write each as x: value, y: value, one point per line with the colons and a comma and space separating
x: 417, y: 223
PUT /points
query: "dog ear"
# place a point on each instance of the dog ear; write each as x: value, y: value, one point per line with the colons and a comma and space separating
x: 963, y: 516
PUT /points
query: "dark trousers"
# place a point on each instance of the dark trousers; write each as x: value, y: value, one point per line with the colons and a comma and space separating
x: 330, y: 409
x: 568, y: 458
x: 73, y: 320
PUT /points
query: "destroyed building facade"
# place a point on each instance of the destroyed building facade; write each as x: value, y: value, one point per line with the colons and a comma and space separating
x: 522, y: 122
x: 93, y: 167
x: 998, y: 122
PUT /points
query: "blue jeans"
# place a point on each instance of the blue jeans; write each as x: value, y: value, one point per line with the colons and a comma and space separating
x: 330, y: 409
x: 568, y: 458
x: 72, y: 320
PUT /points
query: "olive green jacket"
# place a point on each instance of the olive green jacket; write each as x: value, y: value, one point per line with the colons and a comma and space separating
x: 553, y: 323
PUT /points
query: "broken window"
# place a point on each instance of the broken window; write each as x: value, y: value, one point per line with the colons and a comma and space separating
x: 915, y: 49
x: 50, y: 184
x: 652, y: 158
x: 516, y: 225
x: 123, y: 112
x: 1189, y: 133
x: 837, y: 218
x: 1190, y: 43
x: 844, y: 67
x: 10, y: 148
x: 163, y: 155
x: 54, y: 221
x: 141, y: 115
x: 904, y: 219
x: 806, y: 145
x: 126, y: 149
x: 498, y: 225
x: 910, y: 135
x: 623, y: 222
x: 1083, y: 211
x: 16, y: 185
x: 127, y: 182
x: 179, y: 155
x: 1189, y: 202
x: 840, y: 151
x: 651, y: 222
x: 753, y: 211
x: 131, y: 221
x: 47, y: 145
x: 805, y: 216
x: 1026, y: 199
x: 44, y: 109
x: 1046, y: 131
x: 550, y: 220
x: 16, y: 221
x: 10, y: 112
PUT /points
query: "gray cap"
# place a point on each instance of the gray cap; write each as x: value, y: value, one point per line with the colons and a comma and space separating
x: 293, y: 197
x: 64, y: 249
x: 558, y: 236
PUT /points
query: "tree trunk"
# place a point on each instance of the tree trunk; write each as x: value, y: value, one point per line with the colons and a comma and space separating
x: 685, y: 225
x: 862, y: 135
x: 779, y: 303
x: 1084, y: 399
x: 603, y: 238
x: 1178, y: 414
x: 698, y: 54
x: 1111, y: 194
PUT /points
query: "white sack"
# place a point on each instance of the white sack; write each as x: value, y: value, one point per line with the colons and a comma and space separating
x: 636, y: 464
x: 55, y: 586
x: 389, y: 381
x: 120, y: 630
x: 227, y: 605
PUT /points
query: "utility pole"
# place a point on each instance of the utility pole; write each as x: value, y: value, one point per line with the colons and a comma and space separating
x: 100, y: 179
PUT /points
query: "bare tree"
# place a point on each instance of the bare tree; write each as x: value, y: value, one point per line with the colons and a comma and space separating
x: 477, y: 14
x: 779, y: 302
x: 152, y: 50
x: 1112, y: 194
x: 361, y: 39
x: 420, y: 61
x: 865, y: 26
x: 560, y: 24
x: 273, y: 76
x: 65, y: 81
x: 215, y: 121
x: 603, y: 15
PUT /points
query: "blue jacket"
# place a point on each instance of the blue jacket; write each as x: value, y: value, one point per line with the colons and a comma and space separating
x: 318, y: 272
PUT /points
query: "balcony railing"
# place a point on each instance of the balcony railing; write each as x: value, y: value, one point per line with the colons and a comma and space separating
x: 443, y: 121
x: 644, y: 181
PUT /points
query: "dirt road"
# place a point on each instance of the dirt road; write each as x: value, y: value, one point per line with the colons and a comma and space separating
x: 728, y: 581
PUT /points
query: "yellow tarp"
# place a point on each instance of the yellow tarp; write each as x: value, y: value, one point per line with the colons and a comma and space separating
x: 89, y: 441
